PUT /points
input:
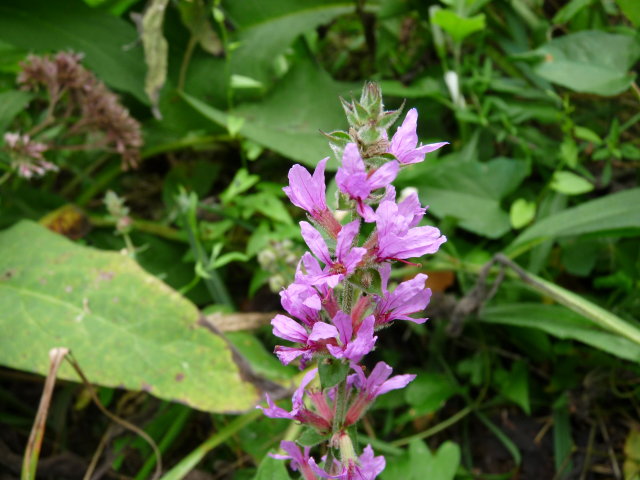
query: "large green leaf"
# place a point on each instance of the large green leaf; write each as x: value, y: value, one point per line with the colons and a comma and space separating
x: 125, y: 327
x: 469, y: 191
x: 590, y: 61
x: 562, y: 323
x: 272, y: 26
x: 418, y: 462
x: 107, y: 42
x: 618, y: 211
x: 289, y: 120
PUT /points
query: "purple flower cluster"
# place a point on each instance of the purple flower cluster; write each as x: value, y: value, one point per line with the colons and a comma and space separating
x: 333, y: 310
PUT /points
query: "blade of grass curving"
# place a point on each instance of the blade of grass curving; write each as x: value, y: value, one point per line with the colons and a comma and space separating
x: 189, y: 462
x: 170, y: 435
x: 577, y: 303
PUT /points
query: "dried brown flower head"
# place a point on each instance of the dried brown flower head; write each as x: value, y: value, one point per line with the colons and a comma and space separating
x: 82, y: 101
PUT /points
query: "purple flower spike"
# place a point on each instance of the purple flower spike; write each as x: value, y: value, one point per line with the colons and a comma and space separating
x: 347, y: 258
x: 354, y: 180
x: 404, y: 142
x: 397, y: 240
x: 309, y: 193
x: 408, y: 298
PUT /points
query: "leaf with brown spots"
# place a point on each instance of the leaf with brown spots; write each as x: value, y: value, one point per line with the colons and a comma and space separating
x: 126, y: 327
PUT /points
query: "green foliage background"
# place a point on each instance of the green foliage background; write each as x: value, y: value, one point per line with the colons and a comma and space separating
x: 539, y: 101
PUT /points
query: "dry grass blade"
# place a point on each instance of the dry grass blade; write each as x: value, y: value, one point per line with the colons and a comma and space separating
x: 32, y: 452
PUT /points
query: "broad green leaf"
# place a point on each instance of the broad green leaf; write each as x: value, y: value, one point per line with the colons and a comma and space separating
x: 562, y: 323
x: 570, y: 184
x: 458, y: 27
x: 125, y: 327
x: 107, y: 42
x: 12, y: 102
x: 568, y: 11
x: 617, y: 211
x: 587, y: 134
x: 468, y: 191
x: 590, y: 61
x: 290, y: 118
x: 631, y: 9
x: 262, y: 362
x: 419, y: 463
x: 522, y: 212
x: 514, y: 385
x: 270, y: 28
x: 272, y: 469
x: 428, y: 392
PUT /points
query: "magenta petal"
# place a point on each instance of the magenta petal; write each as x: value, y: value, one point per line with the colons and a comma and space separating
x: 385, y: 273
x: 315, y: 242
x: 430, y: 147
x: 273, y: 411
x: 352, y: 260
x: 323, y: 331
x: 364, y: 341
x: 345, y: 238
x: 298, y: 395
x: 286, y: 355
x: 370, y: 466
x: 305, y: 191
x: 384, y: 175
x: 343, y: 323
x: 395, y: 383
x: 285, y: 327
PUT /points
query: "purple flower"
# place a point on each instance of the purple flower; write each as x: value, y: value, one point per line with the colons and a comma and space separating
x: 352, y: 349
x: 310, y: 342
x: 409, y: 208
x: 365, y: 467
x: 397, y: 240
x: 314, y: 270
x: 354, y: 180
x: 347, y: 258
x: 404, y: 142
x: 299, y: 459
x: 409, y: 297
x: 273, y: 411
x: 321, y: 420
x: 378, y: 383
x: 303, y: 302
x: 309, y: 193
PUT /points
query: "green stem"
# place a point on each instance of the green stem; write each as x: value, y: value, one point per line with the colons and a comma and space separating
x: 84, y: 175
x: 145, y: 226
x: 435, y: 429
x: 6, y: 176
x: 174, y: 430
x: 213, y: 282
x: 186, y: 59
x: 189, y: 462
